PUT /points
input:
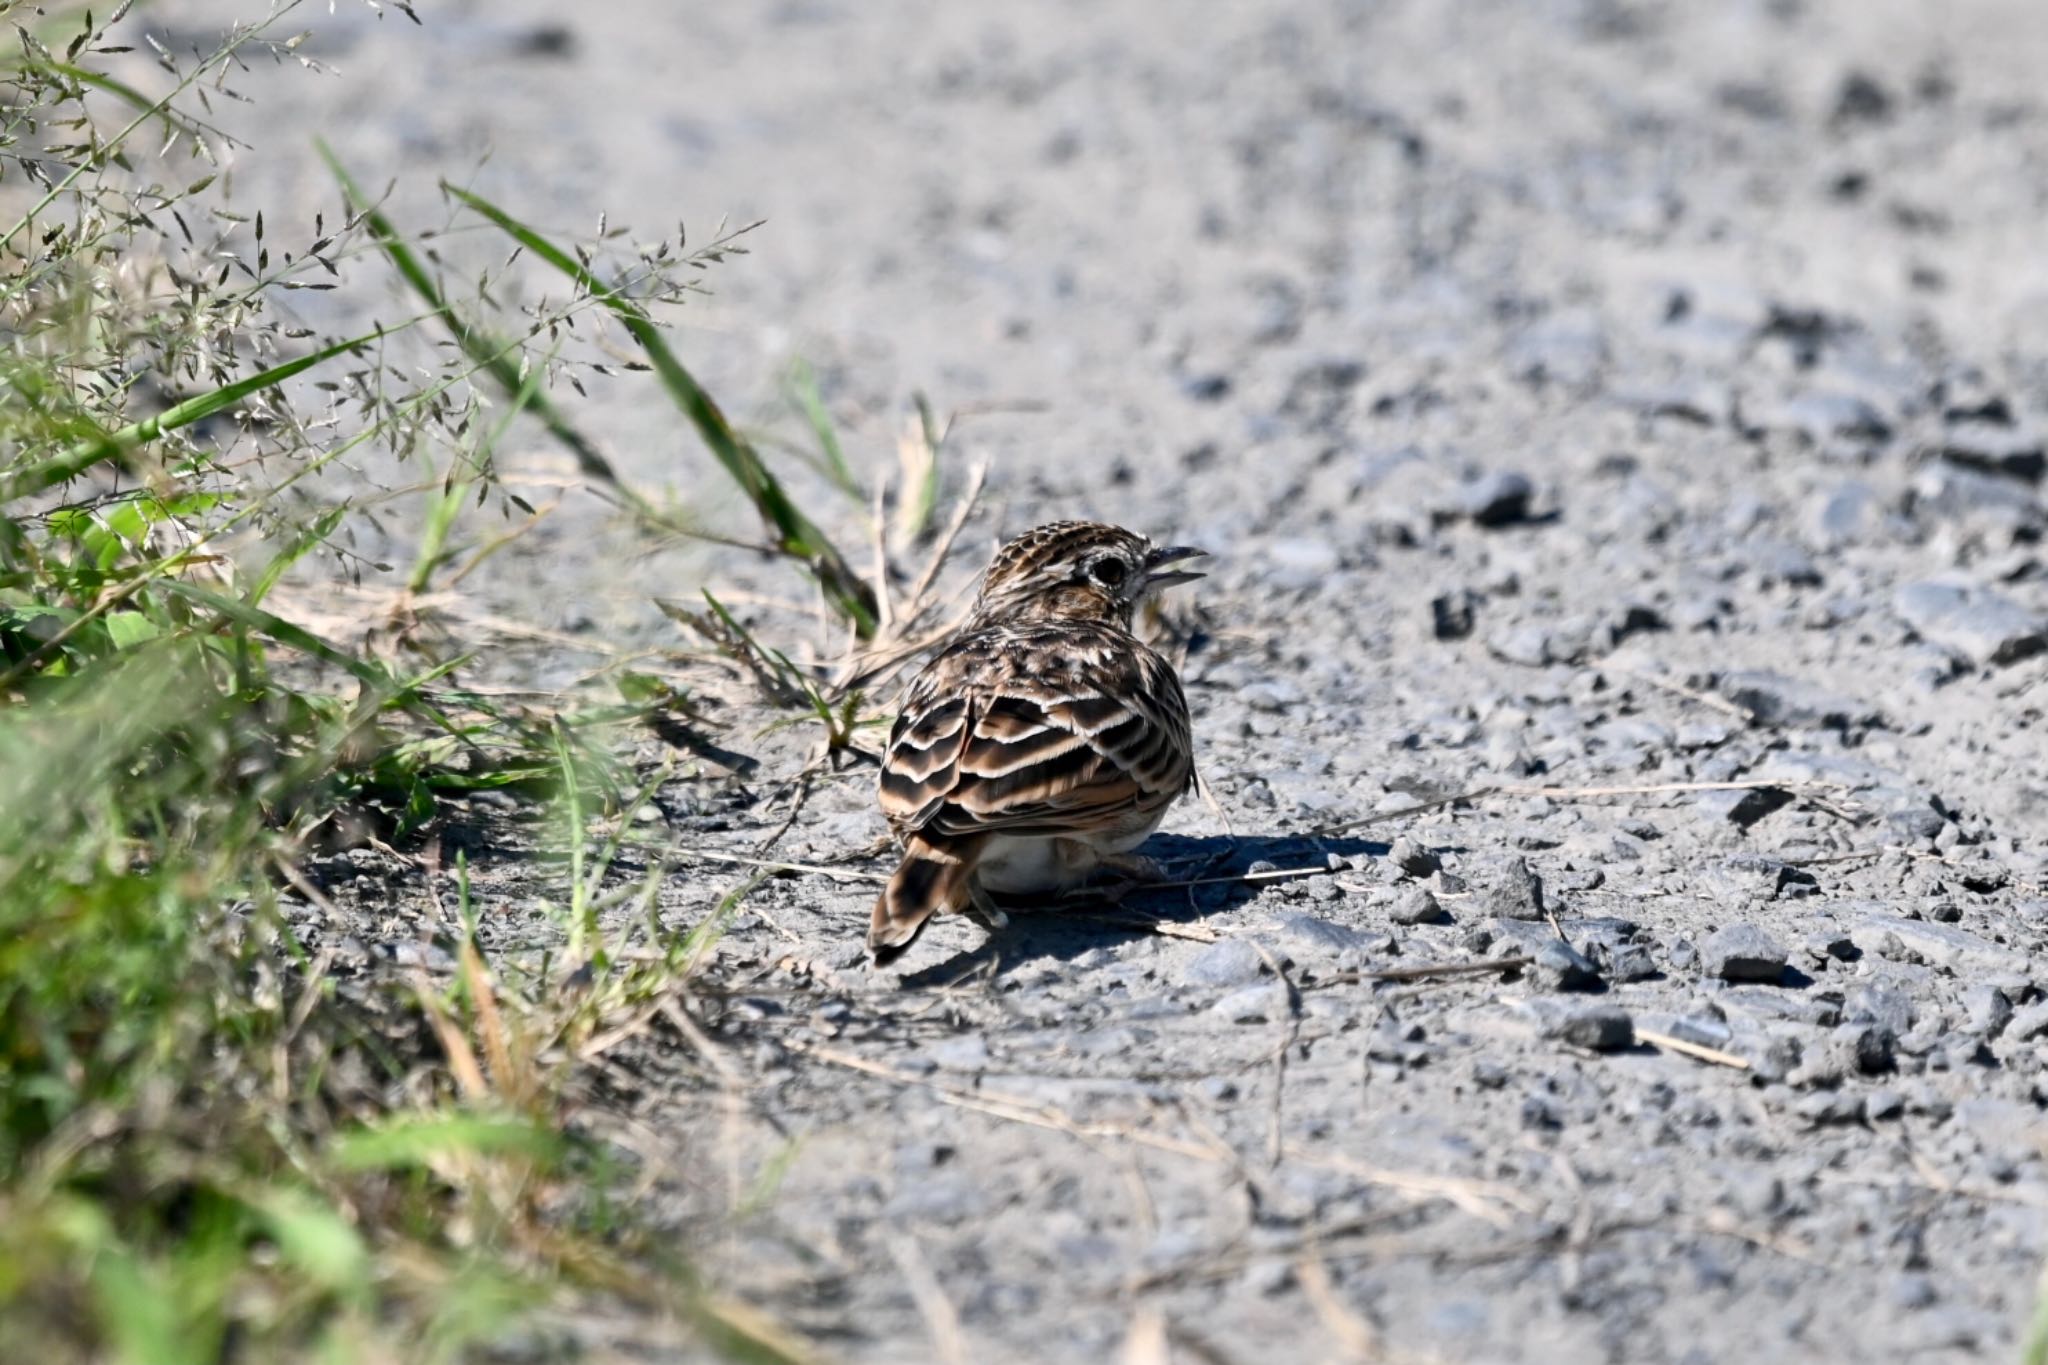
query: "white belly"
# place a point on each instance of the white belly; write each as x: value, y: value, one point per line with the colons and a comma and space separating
x: 1011, y: 866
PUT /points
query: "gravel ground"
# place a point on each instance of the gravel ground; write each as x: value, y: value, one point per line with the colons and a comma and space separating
x: 1634, y: 409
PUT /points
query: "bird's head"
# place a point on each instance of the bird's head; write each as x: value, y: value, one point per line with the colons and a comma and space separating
x: 1079, y: 570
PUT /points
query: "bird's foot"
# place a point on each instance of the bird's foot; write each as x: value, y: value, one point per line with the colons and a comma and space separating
x: 984, y: 908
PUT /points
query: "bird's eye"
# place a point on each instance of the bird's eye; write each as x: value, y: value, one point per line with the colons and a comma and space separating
x: 1109, y: 572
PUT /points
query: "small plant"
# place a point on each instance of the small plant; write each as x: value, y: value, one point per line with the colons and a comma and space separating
x: 187, y: 1171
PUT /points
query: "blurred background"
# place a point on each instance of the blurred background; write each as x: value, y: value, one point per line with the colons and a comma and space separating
x: 1150, y: 257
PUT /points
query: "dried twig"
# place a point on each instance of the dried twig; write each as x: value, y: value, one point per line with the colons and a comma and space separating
x: 1428, y: 971
x: 1695, y: 1050
x: 941, y: 1319
x: 1016, y: 1109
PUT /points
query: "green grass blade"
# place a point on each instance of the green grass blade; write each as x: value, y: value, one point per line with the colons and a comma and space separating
x: 484, y: 349
x: 796, y: 535
x: 803, y: 390
x: 117, y: 445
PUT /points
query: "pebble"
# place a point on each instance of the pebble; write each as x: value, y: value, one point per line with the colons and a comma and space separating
x: 1314, y: 935
x: 1229, y: 962
x: 1253, y: 1004
x: 1414, y: 859
x: 1500, y: 498
x: 1989, y: 1010
x: 1561, y: 967
x: 1884, y: 1005
x: 1743, y: 952
x: 1517, y: 893
x: 1453, y: 614
x: 1995, y: 447
x: 1418, y: 906
x: 1983, y: 626
x: 1598, y: 1028
x: 2028, y: 1024
x: 1630, y: 962
x: 1743, y: 808
x: 1775, y: 699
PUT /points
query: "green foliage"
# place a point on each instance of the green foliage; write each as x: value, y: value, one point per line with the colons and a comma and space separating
x: 180, y: 1177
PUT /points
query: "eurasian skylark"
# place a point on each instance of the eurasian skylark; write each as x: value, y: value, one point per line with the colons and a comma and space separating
x: 1044, y: 742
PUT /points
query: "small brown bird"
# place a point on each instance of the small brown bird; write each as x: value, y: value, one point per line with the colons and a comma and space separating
x: 1044, y: 742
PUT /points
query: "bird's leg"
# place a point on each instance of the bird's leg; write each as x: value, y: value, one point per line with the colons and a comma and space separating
x: 1134, y: 867
x: 983, y: 908
x: 1128, y: 872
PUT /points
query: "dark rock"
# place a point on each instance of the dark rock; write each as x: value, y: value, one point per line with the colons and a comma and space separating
x: 1995, y: 448
x: 1452, y: 615
x: 1598, y: 1028
x: 1872, y: 1047
x: 1417, y: 906
x: 1775, y: 699
x: 1881, y: 1105
x: 1561, y: 967
x: 1745, y: 806
x: 1500, y: 498
x: 1861, y: 99
x: 1630, y: 962
x: 1517, y: 894
x: 1414, y: 859
x: 1488, y: 1074
x: 1983, y: 626
x: 1743, y: 952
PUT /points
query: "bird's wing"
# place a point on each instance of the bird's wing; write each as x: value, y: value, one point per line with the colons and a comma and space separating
x: 1032, y: 738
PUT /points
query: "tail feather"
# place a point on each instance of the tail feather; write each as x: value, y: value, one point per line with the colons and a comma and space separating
x: 931, y: 878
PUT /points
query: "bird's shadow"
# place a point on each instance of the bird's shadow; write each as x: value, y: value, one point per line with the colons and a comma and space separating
x: 1206, y: 875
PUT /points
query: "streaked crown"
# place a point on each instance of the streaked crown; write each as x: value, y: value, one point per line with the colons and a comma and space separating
x: 1077, y: 570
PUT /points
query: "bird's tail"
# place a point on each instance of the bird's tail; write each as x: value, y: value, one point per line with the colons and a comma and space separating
x: 931, y: 878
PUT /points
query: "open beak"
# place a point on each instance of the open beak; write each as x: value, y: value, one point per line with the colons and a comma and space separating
x: 1161, y: 560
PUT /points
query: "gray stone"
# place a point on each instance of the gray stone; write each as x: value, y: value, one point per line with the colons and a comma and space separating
x: 1989, y: 1010
x: 1305, y: 933
x: 1528, y: 645
x: 1517, y: 893
x: 1743, y: 952
x: 1230, y: 962
x: 1995, y: 447
x: 1884, y: 1005
x: 1983, y: 626
x: 2028, y: 1024
x: 1775, y: 699
x: 1500, y: 498
x: 1561, y: 967
x: 1253, y: 1004
x: 1745, y: 806
x: 1598, y: 1028
x: 1942, y: 944
x: 1870, y: 1047
x: 1414, y: 859
x: 1453, y: 614
x: 1418, y: 906
x: 1630, y: 962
